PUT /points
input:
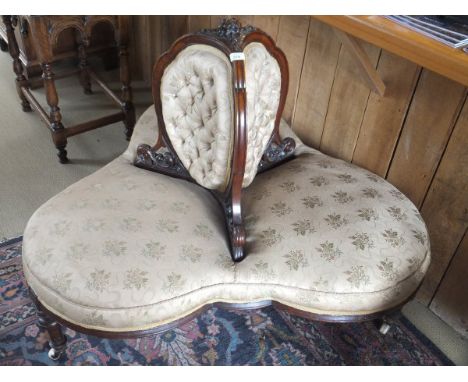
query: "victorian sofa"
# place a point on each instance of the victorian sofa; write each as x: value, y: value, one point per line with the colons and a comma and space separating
x: 129, y: 252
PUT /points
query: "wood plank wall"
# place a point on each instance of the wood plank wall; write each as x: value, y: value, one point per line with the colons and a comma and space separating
x: 416, y: 136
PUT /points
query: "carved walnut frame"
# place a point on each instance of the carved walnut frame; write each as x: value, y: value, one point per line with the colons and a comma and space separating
x: 229, y: 38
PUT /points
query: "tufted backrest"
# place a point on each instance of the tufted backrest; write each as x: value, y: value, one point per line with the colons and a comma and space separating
x: 197, y: 107
x: 263, y: 82
x: 219, y: 95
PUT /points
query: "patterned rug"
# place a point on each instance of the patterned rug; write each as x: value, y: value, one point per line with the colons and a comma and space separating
x: 216, y: 337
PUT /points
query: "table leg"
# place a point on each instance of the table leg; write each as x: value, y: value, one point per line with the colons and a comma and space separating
x: 83, y: 44
x: 21, y: 80
x: 126, y: 88
x: 58, y: 131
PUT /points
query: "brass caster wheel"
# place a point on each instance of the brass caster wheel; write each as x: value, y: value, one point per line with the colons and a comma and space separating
x: 54, y: 355
x: 384, y: 328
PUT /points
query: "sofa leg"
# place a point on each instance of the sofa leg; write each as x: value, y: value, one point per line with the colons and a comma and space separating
x: 384, y: 327
x: 383, y: 324
x: 58, y: 341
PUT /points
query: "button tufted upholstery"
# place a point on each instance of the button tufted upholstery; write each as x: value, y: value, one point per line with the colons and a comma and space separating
x: 196, y: 97
x: 126, y: 249
x: 263, y: 79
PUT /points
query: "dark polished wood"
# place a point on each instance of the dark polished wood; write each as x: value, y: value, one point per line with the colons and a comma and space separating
x: 102, y: 45
x: 21, y: 80
x: 57, y: 340
x: 44, y: 34
x: 229, y: 37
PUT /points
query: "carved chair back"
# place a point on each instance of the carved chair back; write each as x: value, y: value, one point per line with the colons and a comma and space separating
x: 219, y: 95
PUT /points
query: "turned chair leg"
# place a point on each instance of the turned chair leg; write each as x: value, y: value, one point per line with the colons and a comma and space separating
x: 21, y: 80
x: 126, y: 88
x: 58, y: 341
x: 85, y: 80
x: 58, y: 131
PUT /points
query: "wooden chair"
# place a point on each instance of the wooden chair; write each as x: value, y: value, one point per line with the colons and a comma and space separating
x: 45, y: 31
x: 126, y: 252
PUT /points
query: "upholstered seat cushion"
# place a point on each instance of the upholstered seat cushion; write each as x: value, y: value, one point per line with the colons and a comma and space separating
x: 127, y: 249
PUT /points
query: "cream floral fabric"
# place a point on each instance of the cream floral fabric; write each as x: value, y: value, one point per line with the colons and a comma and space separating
x: 128, y: 249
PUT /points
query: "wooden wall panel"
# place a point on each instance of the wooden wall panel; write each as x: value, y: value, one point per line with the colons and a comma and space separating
x: 318, y: 72
x: 384, y: 116
x: 451, y: 302
x: 347, y: 105
x: 196, y: 23
x: 430, y: 121
x: 415, y: 135
x: 445, y: 209
x: 292, y: 39
x: 268, y: 24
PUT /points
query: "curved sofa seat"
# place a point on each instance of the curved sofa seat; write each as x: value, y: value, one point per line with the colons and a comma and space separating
x: 126, y: 249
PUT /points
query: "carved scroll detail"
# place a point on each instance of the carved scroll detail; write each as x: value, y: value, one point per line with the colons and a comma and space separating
x: 161, y: 160
x: 277, y: 153
x: 230, y: 32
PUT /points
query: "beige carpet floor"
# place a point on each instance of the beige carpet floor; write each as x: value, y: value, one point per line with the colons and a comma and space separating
x: 30, y: 173
x: 29, y: 169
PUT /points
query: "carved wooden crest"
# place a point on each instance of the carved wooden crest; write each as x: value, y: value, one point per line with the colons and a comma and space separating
x: 229, y: 37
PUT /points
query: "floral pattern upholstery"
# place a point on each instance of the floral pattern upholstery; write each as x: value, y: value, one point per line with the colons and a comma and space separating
x: 127, y: 249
